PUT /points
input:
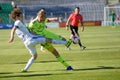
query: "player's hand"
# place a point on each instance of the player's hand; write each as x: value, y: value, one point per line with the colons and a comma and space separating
x: 56, y: 18
x: 82, y: 29
x: 67, y: 27
x: 10, y: 40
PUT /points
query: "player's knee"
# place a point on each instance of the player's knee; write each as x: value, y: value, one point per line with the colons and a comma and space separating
x: 35, y: 56
x: 55, y: 52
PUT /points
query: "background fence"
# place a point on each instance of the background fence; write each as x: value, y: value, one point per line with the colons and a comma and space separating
x: 92, y: 10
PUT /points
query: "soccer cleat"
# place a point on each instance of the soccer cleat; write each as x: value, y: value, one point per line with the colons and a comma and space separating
x: 82, y: 47
x: 24, y: 70
x: 68, y: 48
x: 69, y: 68
x: 68, y: 43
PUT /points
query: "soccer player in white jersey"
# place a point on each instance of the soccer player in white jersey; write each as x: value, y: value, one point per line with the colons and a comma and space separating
x: 30, y: 41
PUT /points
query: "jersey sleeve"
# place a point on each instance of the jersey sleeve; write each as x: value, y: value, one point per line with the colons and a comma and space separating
x: 47, y: 20
x: 17, y: 24
x: 70, y: 17
x: 30, y: 25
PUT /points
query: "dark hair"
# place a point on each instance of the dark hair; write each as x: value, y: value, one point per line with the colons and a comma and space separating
x: 43, y: 9
x: 15, y: 13
x: 15, y: 6
x: 77, y: 8
x: 0, y: 8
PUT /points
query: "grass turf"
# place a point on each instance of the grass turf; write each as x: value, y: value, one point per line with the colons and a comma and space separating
x: 100, y: 60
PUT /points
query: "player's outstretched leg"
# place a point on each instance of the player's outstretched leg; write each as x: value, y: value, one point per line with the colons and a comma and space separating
x: 54, y: 41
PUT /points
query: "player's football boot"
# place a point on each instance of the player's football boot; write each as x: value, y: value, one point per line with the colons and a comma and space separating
x: 82, y: 47
x: 68, y: 43
x: 68, y: 48
x: 69, y: 68
x: 24, y: 70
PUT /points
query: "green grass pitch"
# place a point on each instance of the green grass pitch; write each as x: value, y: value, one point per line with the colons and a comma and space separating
x: 100, y: 60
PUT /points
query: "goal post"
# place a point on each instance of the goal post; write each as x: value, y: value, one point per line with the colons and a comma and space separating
x: 107, y: 18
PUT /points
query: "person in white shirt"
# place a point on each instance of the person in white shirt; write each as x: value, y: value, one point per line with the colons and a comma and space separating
x: 30, y: 40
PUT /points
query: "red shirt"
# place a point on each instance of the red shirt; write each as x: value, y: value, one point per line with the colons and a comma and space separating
x: 75, y: 19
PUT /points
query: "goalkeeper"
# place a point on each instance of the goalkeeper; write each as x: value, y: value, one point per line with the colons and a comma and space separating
x: 112, y: 17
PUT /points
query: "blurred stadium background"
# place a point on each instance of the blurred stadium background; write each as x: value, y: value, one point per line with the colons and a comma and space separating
x: 92, y: 10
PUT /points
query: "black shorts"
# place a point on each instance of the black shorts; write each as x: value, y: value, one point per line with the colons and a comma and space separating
x: 74, y: 29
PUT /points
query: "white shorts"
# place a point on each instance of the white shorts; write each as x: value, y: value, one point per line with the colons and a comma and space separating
x: 31, y: 44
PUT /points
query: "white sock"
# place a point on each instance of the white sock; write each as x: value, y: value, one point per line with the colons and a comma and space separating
x: 41, y: 48
x: 31, y: 60
x: 58, y: 41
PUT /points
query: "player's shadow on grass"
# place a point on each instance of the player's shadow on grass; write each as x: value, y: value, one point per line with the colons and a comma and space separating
x: 6, y: 73
x: 98, y: 68
x: 107, y: 48
x: 24, y: 75
x: 30, y: 75
x: 40, y: 62
x: 36, y: 62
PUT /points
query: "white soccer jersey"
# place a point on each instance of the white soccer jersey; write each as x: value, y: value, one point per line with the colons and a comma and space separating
x: 21, y: 31
x: 29, y: 40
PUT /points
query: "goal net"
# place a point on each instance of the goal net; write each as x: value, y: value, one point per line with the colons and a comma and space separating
x: 108, y: 18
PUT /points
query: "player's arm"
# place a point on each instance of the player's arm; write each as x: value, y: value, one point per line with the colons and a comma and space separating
x: 82, y: 24
x: 12, y: 34
x: 52, y: 19
x: 68, y: 21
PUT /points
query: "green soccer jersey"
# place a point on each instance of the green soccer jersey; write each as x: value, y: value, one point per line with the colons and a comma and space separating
x: 37, y: 27
x: 112, y: 16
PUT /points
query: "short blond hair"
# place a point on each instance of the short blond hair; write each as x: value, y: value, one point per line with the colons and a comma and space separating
x: 42, y: 14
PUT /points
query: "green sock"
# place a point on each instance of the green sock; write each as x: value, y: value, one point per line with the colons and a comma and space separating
x: 60, y: 59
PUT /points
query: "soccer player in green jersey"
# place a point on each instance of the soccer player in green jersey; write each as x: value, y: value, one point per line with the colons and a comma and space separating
x: 48, y: 20
x: 38, y: 27
x: 112, y: 17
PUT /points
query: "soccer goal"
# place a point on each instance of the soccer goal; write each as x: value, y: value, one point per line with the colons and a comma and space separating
x: 108, y: 18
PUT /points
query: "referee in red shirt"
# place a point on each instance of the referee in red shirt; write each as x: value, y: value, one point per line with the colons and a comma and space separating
x: 73, y: 21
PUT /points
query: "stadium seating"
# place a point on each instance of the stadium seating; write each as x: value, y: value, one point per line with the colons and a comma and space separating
x: 5, y: 11
x: 92, y: 10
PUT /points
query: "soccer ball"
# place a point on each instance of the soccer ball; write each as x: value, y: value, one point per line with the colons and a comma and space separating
x: 75, y: 39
